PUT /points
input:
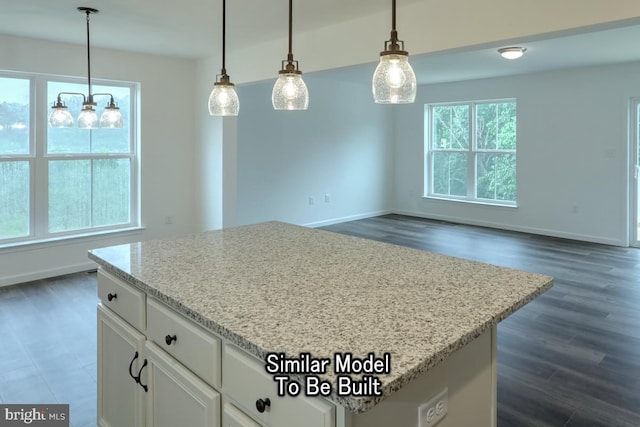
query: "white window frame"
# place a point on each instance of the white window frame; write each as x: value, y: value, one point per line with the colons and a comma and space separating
x: 39, y: 109
x: 471, y: 154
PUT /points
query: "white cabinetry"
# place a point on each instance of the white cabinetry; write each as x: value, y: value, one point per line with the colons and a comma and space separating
x: 246, y: 382
x: 159, y: 369
x: 176, y: 396
x: 139, y: 383
x: 120, y: 398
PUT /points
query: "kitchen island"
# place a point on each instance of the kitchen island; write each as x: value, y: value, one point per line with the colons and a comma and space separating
x: 206, y: 311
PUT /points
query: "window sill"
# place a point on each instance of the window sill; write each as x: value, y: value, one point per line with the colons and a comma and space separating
x: 473, y: 202
x: 25, y: 245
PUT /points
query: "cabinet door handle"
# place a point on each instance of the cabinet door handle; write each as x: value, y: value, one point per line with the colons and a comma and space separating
x: 135, y: 356
x: 170, y: 338
x: 263, y: 404
x: 111, y: 297
x: 138, y: 380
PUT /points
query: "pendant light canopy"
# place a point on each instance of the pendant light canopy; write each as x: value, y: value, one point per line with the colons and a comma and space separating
x: 290, y: 92
x: 394, y: 81
x: 88, y: 118
x: 223, y: 100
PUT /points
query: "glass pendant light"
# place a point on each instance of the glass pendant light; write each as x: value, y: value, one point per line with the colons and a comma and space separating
x: 394, y: 81
x: 60, y: 117
x: 88, y: 118
x: 111, y: 117
x: 223, y: 100
x: 290, y: 92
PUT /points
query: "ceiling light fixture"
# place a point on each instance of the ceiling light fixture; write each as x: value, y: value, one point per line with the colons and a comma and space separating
x: 290, y: 92
x: 513, y: 52
x: 394, y: 81
x: 87, y: 119
x: 223, y: 100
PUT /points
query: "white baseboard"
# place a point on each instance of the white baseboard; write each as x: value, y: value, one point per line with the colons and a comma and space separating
x: 44, y: 274
x: 346, y: 219
x: 523, y: 229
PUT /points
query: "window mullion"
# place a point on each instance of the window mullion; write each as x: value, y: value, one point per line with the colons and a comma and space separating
x: 471, y: 155
x: 41, y: 165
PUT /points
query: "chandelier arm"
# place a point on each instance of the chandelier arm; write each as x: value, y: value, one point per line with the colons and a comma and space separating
x: 84, y: 98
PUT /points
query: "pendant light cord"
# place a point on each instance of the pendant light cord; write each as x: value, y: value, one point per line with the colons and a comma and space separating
x: 89, y: 57
x: 393, y: 15
x: 290, y: 56
x: 224, y: 37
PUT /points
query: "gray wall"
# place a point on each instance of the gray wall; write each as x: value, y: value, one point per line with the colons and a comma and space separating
x: 341, y: 146
x: 572, y: 151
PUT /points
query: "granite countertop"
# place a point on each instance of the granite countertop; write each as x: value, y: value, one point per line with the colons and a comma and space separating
x: 276, y: 287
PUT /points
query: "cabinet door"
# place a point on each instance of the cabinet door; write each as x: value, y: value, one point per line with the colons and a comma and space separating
x: 120, y: 398
x: 176, y: 396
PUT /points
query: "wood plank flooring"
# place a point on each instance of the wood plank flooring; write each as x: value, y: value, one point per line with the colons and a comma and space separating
x: 48, y: 344
x: 570, y: 358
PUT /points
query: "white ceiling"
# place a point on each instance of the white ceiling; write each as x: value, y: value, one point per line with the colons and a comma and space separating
x: 191, y: 29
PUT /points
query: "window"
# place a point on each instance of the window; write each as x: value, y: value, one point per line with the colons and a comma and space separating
x: 63, y: 182
x: 471, y: 152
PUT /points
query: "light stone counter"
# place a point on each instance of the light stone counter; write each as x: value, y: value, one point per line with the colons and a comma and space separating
x: 275, y: 287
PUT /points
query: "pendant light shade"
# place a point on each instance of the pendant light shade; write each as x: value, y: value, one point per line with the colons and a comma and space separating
x: 394, y: 81
x: 290, y: 92
x: 88, y: 118
x: 223, y: 100
x: 60, y: 117
x: 111, y: 117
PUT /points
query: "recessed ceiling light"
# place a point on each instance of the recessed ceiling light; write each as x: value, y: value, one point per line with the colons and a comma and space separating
x: 513, y: 52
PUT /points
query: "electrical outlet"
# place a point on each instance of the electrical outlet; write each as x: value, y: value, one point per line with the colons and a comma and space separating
x: 311, y: 201
x: 431, y: 412
x: 327, y: 198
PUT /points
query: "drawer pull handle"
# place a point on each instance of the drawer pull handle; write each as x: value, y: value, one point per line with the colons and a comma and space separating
x: 135, y: 356
x: 111, y: 297
x: 170, y: 338
x: 263, y: 404
x: 138, y: 380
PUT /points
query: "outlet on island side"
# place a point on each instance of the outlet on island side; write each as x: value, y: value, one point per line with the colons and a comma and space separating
x: 431, y: 412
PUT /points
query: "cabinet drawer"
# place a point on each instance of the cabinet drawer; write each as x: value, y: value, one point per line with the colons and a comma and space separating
x: 234, y: 417
x: 123, y: 299
x: 188, y: 343
x: 246, y: 381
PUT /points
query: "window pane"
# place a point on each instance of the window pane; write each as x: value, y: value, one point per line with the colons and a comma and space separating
x: 450, y: 173
x: 103, y: 185
x: 14, y: 199
x: 496, y: 176
x: 74, y: 140
x: 14, y: 116
x: 69, y: 195
x: 450, y: 124
x: 496, y: 126
x: 111, y: 192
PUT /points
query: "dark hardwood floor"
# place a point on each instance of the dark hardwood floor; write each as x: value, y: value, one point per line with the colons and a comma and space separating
x: 570, y: 358
x: 48, y: 344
